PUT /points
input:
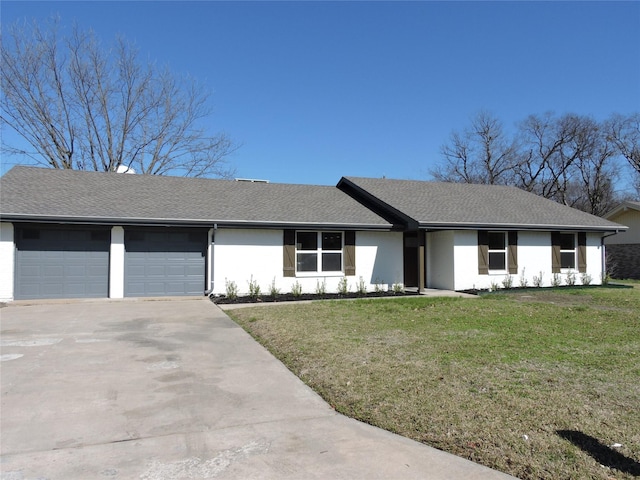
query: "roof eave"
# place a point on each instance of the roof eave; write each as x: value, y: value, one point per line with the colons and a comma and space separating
x: 304, y: 225
x: 181, y: 222
x: 511, y: 226
x: 623, y: 207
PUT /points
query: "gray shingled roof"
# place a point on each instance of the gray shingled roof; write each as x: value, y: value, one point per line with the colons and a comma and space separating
x: 442, y: 205
x: 29, y: 193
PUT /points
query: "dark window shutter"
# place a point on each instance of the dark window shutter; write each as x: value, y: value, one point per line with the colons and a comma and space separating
x: 350, y: 253
x: 582, y: 252
x: 513, y: 252
x: 289, y: 254
x: 483, y: 252
x: 555, y: 252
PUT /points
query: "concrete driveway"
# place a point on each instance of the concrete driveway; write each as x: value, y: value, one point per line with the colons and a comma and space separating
x: 173, y: 389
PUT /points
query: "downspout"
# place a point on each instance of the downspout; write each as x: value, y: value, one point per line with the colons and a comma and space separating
x: 210, y: 244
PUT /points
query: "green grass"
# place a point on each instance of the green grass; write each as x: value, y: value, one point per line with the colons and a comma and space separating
x: 506, y: 380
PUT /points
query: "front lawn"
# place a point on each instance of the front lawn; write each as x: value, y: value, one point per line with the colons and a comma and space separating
x: 539, y: 384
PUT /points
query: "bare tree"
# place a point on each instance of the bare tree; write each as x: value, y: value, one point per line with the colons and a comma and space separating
x: 624, y: 133
x: 84, y: 106
x: 568, y: 159
x: 481, y: 154
x: 571, y: 159
x: 595, y: 171
x: 550, y: 146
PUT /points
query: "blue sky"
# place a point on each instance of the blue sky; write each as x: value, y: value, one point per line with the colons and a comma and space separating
x: 318, y: 90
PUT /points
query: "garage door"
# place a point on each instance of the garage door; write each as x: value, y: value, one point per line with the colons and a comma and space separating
x: 161, y: 262
x: 61, y: 262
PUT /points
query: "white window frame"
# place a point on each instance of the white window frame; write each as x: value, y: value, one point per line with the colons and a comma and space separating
x: 318, y: 252
x: 504, y: 251
x: 564, y: 269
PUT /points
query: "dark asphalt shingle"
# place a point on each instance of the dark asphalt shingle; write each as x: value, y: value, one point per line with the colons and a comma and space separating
x: 439, y: 204
x: 41, y: 192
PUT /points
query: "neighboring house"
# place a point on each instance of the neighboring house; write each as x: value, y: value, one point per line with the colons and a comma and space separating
x: 67, y: 234
x: 623, y: 250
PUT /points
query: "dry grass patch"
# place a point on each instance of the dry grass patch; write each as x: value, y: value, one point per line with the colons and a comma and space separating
x: 538, y: 388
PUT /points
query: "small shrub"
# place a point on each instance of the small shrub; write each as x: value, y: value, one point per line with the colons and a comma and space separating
x: 361, y: 287
x: 343, y: 286
x: 571, y: 279
x: 296, y: 289
x: 538, y: 280
x: 397, y: 288
x: 273, y: 290
x: 377, y: 286
x: 507, y: 282
x: 606, y: 278
x: 494, y: 286
x: 254, y: 288
x: 556, y: 280
x: 321, y: 288
x: 585, y: 279
x: 524, y: 283
x: 231, y: 288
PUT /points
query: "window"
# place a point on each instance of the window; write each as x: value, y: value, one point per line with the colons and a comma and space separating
x: 497, y: 251
x: 318, y: 252
x: 567, y: 250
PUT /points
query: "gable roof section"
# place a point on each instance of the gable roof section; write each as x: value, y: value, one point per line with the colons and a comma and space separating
x: 623, y: 207
x: 440, y: 205
x: 42, y: 194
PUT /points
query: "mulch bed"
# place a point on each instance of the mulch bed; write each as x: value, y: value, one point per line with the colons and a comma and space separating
x: 289, y: 297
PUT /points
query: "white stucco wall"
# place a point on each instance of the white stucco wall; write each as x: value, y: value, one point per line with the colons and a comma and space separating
x: 466, y: 261
x: 239, y: 254
x: 7, y: 261
x: 534, y: 259
x: 378, y: 259
x: 116, y: 263
x: 595, y: 254
x: 242, y: 254
x: 440, y: 260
